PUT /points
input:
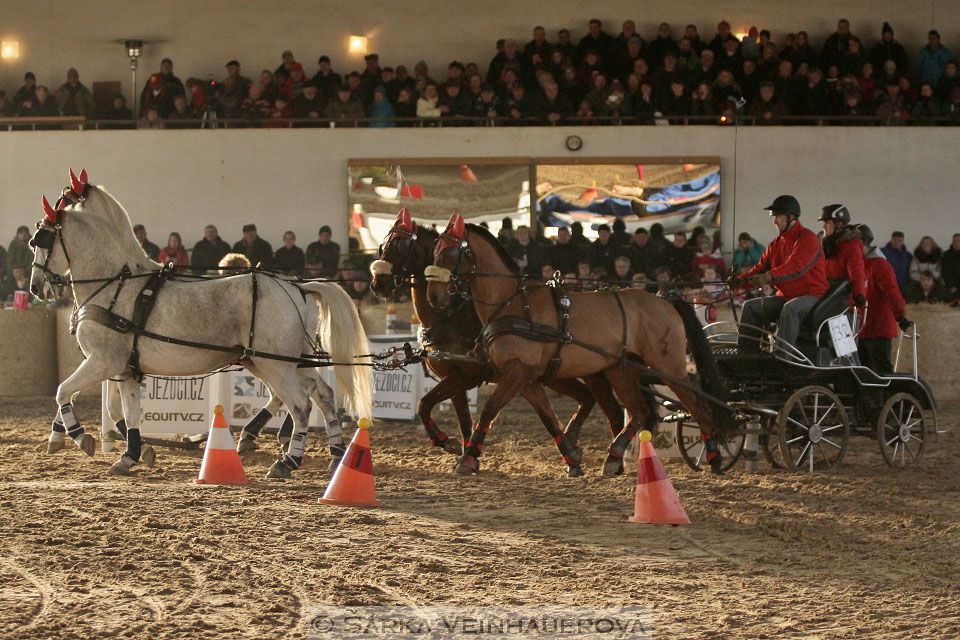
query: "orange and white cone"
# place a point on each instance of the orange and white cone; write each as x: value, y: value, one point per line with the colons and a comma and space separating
x: 221, y: 462
x: 352, y: 482
x: 656, y: 501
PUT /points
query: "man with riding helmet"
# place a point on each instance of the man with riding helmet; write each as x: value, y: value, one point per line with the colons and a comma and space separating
x: 843, y: 251
x: 793, y: 264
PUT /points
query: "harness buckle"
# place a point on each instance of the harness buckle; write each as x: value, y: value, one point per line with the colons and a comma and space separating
x: 248, y: 353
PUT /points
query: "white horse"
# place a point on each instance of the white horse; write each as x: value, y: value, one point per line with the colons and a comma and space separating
x: 88, y: 240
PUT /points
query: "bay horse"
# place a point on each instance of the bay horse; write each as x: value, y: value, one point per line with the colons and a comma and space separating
x: 87, y: 242
x: 404, y: 254
x: 604, y: 331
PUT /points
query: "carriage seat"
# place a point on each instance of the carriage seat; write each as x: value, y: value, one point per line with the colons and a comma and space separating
x: 833, y: 303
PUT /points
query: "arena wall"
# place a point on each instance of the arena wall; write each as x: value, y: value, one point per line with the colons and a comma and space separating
x: 893, y: 178
x: 201, y: 37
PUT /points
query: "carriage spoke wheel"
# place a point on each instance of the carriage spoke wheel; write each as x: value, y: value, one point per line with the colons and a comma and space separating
x: 813, y: 430
x: 694, y: 453
x: 901, y: 430
x: 770, y: 444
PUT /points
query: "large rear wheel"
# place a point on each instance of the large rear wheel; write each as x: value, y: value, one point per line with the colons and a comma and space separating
x: 813, y: 430
x: 901, y: 430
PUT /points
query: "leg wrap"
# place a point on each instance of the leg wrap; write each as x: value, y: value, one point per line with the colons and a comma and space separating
x: 122, y: 428
x: 131, y: 456
x: 475, y: 445
x: 57, y: 426
x: 569, y: 453
x: 437, y: 437
x: 286, y: 428
x: 334, y: 435
x: 619, y: 445
x: 710, y: 443
x: 69, y: 420
x: 294, y: 457
x: 252, y: 428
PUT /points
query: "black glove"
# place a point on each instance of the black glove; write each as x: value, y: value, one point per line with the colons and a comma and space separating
x: 904, y: 323
x: 860, y: 301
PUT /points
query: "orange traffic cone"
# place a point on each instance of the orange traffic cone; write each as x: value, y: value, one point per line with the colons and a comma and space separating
x: 657, y: 501
x: 467, y: 174
x: 221, y: 462
x: 352, y: 483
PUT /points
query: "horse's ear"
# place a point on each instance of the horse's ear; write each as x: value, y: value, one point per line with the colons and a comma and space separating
x: 83, y: 176
x: 75, y: 183
x: 48, y: 213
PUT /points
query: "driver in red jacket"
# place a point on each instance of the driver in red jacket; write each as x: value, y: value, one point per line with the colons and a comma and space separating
x: 793, y: 263
x: 886, y: 308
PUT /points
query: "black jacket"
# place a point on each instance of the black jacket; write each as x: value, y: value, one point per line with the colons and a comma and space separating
x: 259, y: 252
x: 207, y: 255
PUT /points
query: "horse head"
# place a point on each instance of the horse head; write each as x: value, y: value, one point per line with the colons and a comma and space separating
x: 404, y: 253
x: 453, y: 263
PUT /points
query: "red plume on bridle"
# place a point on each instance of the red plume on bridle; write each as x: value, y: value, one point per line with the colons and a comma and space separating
x: 405, y: 222
x: 453, y: 235
x: 49, y: 214
x: 78, y: 185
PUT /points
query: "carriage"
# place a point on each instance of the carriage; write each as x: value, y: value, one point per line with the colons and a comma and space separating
x: 805, y: 402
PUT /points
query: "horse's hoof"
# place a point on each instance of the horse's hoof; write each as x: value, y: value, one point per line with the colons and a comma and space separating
x: 246, y: 445
x: 55, y: 443
x: 278, y: 470
x: 450, y: 445
x: 574, y: 472
x: 149, y: 457
x: 334, y: 463
x: 717, y: 470
x: 468, y: 465
x: 119, y: 469
x: 87, y: 444
x: 612, y: 467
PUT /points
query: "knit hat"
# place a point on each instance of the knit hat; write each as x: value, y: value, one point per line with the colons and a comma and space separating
x: 886, y: 28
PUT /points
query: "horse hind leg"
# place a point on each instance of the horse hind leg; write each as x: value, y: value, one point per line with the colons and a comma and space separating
x: 323, y: 396
x: 585, y: 401
x: 120, y: 431
x: 453, y: 387
x: 251, y: 430
x: 129, y: 391
x: 288, y: 384
x: 628, y: 388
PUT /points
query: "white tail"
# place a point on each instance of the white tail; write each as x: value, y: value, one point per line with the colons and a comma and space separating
x: 343, y: 337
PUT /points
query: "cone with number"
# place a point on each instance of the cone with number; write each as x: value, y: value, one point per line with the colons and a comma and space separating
x: 221, y: 462
x: 352, y: 482
x: 656, y: 501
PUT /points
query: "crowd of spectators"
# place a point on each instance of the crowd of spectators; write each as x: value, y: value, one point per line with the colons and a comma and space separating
x: 616, y: 259
x: 627, y: 78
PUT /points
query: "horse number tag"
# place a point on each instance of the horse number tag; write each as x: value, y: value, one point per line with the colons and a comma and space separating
x: 843, y: 340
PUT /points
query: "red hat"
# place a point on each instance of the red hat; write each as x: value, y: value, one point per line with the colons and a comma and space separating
x: 155, y: 79
x: 296, y: 66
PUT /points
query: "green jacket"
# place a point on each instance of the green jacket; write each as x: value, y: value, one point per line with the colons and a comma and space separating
x: 75, y: 101
x: 19, y: 255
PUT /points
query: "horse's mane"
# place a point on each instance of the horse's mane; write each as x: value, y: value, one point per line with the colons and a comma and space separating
x: 505, y: 257
x: 124, y: 237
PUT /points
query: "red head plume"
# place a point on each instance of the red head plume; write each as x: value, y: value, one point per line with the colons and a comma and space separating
x: 78, y: 184
x: 404, y: 222
x: 48, y: 213
x: 453, y: 235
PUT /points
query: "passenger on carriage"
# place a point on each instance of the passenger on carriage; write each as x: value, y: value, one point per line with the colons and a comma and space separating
x: 843, y: 251
x: 793, y: 264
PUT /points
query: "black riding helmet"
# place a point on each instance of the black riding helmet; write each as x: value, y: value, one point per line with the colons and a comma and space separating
x: 835, y: 212
x: 866, y: 234
x: 784, y: 205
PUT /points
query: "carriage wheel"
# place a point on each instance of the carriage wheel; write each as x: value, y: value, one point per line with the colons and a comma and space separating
x: 770, y: 445
x: 813, y: 429
x: 695, y: 454
x: 901, y: 430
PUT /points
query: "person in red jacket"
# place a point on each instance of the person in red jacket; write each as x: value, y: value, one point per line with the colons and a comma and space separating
x: 793, y: 264
x: 843, y: 251
x: 886, y: 308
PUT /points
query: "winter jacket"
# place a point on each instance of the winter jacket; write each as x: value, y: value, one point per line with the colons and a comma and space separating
x: 290, y: 260
x: 259, y: 251
x: 883, y: 297
x: 950, y: 268
x: 924, y: 261
x: 900, y: 261
x: 19, y: 255
x: 207, y: 255
x: 843, y: 256
x: 930, y: 64
x: 916, y: 295
x: 795, y: 261
x: 382, y: 109
x: 748, y: 257
x: 178, y: 257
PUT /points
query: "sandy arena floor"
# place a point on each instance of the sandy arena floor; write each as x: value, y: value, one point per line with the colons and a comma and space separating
x: 864, y: 552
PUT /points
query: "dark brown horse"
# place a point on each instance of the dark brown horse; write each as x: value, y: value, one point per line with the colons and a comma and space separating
x: 405, y: 253
x: 606, y: 332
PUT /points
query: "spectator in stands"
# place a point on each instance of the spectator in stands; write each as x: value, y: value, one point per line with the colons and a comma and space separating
x: 258, y: 251
x: 566, y: 46
x: 949, y: 80
x: 255, y: 107
x: 308, y: 105
x: 644, y: 105
x: 453, y: 104
x: 73, y: 97
x: 118, y: 111
x: 747, y: 254
x: 564, y: 255
x: 427, y: 106
x: 26, y: 93
x: 19, y: 253
x: 596, y: 40
x: 707, y: 255
x: 525, y: 252
x: 537, y: 51
x: 687, y: 59
x: 518, y: 106
x: 233, y: 90
x: 552, y: 108
x: 868, y: 82
x: 769, y: 63
x: 506, y: 235
x: 663, y: 277
x: 950, y: 268
x: 289, y: 258
x: 269, y: 89
x: 889, y: 49
x: 156, y: 95
x: 180, y: 112
x: 506, y: 57
x: 926, y: 106
x: 813, y: 97
x: 768, y: 109
x: 926, y: 291
x: 716, y: 44
x: 233, y: 263
x: 706, y: 70
x: 17, y: 280
x: 851, y: 61
x: 661, y: 46
x: 628, y: 57
x: 381, y: 108
x: 729, y: 57
x: 836, y: 45
x: 43, y: 104
x: 703, y: 103
x: 371, y: 77
x: 595, y: 102
x: 3, y: 264
x: 675, y: 103
x: 323, y: 255
x: 326, y: 79
x: 208, y: 252
x: 278, y: 116
x: 602, y: 252
x: 899, y: 258
x: 639, y: 251
x: 750, y: 46
x: 287, y: 60
x: 174, y: 252
x: 344, y: 107
x: 152, y: 250
x: 622, y: 272
x: 926, y: 259
x: 680, y: 256
x: 7, y: 108
x: 892, y: 104
x: 405, y: 106
x: 619, y: 238
x: 932, y: 59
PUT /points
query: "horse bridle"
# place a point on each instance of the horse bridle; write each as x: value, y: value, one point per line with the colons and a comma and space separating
x: 457, y: 280
x: 403, y: 273
x: 51, y: 232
